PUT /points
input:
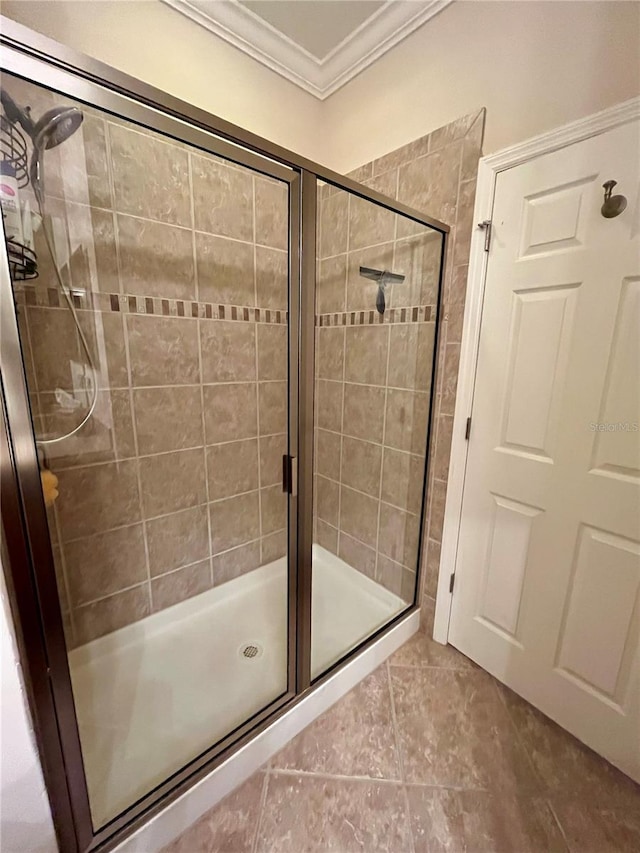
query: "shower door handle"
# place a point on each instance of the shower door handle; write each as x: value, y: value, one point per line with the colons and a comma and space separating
x: 290, y: 474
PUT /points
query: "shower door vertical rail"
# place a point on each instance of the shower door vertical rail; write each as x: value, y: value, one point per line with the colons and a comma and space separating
x: 306, y: 431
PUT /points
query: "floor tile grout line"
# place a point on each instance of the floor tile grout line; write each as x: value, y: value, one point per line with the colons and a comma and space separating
x: 549, y: 803
x: 261, y: 808
x: 403, y: 776
x: 542, y: 787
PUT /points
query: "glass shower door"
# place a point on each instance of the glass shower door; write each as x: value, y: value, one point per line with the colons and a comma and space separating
x: 155, y: 343
x: 377, y: 296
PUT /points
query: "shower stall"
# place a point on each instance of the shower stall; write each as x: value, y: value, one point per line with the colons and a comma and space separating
x: 217, y: 375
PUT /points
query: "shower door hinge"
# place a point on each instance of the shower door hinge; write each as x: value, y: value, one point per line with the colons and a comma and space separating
x: 467, y: 431
x: 290, y: 474
x: 486, y: 226
x: 452, y: 580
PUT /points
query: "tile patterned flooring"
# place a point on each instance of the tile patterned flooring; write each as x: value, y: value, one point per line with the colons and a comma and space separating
x: 429, y: 754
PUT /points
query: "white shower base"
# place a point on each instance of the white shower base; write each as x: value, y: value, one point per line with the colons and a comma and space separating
x: 155, y: 694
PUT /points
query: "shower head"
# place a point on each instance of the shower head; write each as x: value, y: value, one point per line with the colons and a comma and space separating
x: 52, y: 128
x: 382, y: 278
x: 56, y: 126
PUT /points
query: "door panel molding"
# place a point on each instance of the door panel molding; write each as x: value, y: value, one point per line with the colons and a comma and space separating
x: 488, y: 170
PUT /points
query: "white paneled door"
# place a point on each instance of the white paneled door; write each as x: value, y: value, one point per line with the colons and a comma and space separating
x: 547, y: 587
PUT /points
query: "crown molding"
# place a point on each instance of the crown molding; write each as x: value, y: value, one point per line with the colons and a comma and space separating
x: 247, y: 31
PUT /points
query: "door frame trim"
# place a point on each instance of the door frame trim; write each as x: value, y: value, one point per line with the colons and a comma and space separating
x: 488, y: 170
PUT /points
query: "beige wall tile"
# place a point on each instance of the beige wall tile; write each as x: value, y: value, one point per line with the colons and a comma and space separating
x: 329, y: 404
x: 369, y: 223
x: 230, y: 412
x: 274, y: 546
x: 327, y: 536
x: 234, y: 521
x: 331, y: 289
x: 156, y: 259
x: 97, y: 498
x: 100, y: 565
x: 402, y: 479
x: 333, y: 224
x: 232, y: 468
x: 163, y: 351
x: 228, y: 351
x: 396, y: 578
x: 272, y: 407
x: 107, y: 615
x: 272, y: 278
x: 231, y: 215
x: 94, y: 263
x: 273, y: 509
x: 449, y: 378
x: 361, y: 465
x: 179, y: 585
x: 172, y: 481
x: 168, y: 418
x: 328, y: 454
x: 436, y: 509
x: 236, y: 562
x: 367, y: 348
x: 364, y: 412
x: 272, y: 449
x: 411, y: 151
x: 330, y: 354
x: 418, y: 259
x: 411, y: 357
x: 327, y: 500
x: 432, y: 568
x: 464, y: 222
x: 455, y: 303
x: 273, y: 356
x: 104, y: 438
x: 359, y: 516
x: 150, y: 176
x: 406, y: 421
x: 272, y: 213
x: 110, y: 331
x: 177, y: 539
x: 431, y: 183
x: 398, y: 539
x: 225, y: 270
x: 357, y: 555
x: 54, y: 343
x: 443, y: 447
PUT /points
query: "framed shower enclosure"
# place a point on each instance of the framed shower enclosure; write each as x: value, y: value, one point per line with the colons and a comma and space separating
x: 218, y: 368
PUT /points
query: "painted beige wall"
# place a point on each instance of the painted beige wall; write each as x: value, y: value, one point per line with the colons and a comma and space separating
x: 533, y: 65
x: 151, y: 41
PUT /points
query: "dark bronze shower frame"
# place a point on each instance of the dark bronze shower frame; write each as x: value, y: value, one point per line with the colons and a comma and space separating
x: 27, y: 550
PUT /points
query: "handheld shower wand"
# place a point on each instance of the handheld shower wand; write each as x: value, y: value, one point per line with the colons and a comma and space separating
x: 52, y: 128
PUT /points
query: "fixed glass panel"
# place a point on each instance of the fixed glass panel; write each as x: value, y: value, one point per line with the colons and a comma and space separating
x: 151, y: 287
x: 376, y: 302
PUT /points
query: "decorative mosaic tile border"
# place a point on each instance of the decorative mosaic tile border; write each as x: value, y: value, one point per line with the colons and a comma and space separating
x: 414, y: 314
x: 51, y: 297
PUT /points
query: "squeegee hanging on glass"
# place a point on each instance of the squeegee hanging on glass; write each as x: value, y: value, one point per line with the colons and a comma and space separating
x: 382, y: 279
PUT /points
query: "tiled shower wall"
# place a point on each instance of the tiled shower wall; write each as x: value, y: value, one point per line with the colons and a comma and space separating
x: 179, y: 266
x: 373, y: 384
x: 435, y: 174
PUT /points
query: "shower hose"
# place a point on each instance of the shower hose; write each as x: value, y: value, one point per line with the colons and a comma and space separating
x: 40, y: 199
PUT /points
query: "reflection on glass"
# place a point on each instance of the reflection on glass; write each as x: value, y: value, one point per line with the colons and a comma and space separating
x: 376, y: 300
x: 155, y: 347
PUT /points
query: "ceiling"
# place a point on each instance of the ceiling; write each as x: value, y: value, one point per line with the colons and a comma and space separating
x: 317, y: 44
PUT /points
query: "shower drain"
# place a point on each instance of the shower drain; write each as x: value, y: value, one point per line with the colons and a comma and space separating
x: 250, y: 651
